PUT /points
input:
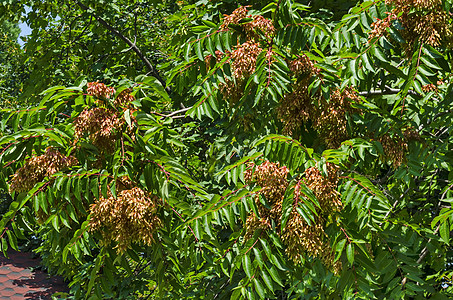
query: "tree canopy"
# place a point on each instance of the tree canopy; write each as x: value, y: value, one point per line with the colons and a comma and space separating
x: 231, y: 149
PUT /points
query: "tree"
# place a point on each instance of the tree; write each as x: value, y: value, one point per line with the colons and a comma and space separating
x: 12, y: 70
x: 280, y: 151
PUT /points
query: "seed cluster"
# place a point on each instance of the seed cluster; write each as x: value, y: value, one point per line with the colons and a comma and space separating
x: 328, y: 116
x: 103, y: 92
x: 101, y: 125
x: 251, y: 28
x: 100, y: 90
x: 395, y: 149
x: 36, y: 168
x: 124, y: 98
x: 422, y: 20
x: 298, y: 236
x: 244, y: 55
x: 244, y: 59
x: 380, y: 26
x: 294, y: 106
x: 325, y: 188
x: 128, y: 218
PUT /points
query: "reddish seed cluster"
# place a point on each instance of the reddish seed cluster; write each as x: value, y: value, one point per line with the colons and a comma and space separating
x: 260, y: 25
x: 394, y: 149
x: 101, y: 125
x: 235, y: 17
x: 328, y: 116
x: 129, y: 218
x: 379, y: 27
x: 423, y: 20
x: 100, y: 90
x: 244, y: 59
x: 429, y: 88
x: 270, y: 177
x: 298, y: 236
x: 37, y: 168
x: 124, y: 98
x: 251, y: 28
x: 325, y: 188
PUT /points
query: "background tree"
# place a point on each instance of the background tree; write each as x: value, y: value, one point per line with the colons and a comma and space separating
x: 12, y: 69
x: 272, y: 150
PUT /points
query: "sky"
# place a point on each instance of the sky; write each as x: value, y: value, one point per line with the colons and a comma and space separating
x: 24, y: 29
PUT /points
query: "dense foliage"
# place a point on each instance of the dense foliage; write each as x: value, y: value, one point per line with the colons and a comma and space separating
x: 234, y: 149
x: 12, y: 69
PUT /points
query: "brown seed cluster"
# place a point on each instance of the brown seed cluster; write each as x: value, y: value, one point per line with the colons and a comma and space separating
x: 423, y: 20
x: 101, y: 125
x: 270, y: 177
x: 302, y: 66
x: 124, y: 98
x: 410, y: 134
x: 36, y: 168
x: 232, y: 92
x: 379, y: 27
x: 395, y: 149
x: 328, y: 116
x: 294, y: 107
x: 100, y: 90
x: 325, y: 188
x: 129, y: 218
x: 298, y: 236
x: 273, y: 182
x: 218, y: 58
x: 244, y: 59
x: 251, y: 28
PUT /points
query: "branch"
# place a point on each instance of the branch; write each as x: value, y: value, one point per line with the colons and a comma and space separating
x: 173, y: 114
x: 387, y: 91
x: 131, y: 44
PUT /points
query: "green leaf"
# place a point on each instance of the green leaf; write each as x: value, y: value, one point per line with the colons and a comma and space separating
x: 445, y: 232
x: 339, y: 248
x: 275, y: 275
x: 259, y: 288
x: 247, y: 265
x: 267, y: 279
x: 350, y: 253
x: 12, y: 240
x: 55, y: 223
